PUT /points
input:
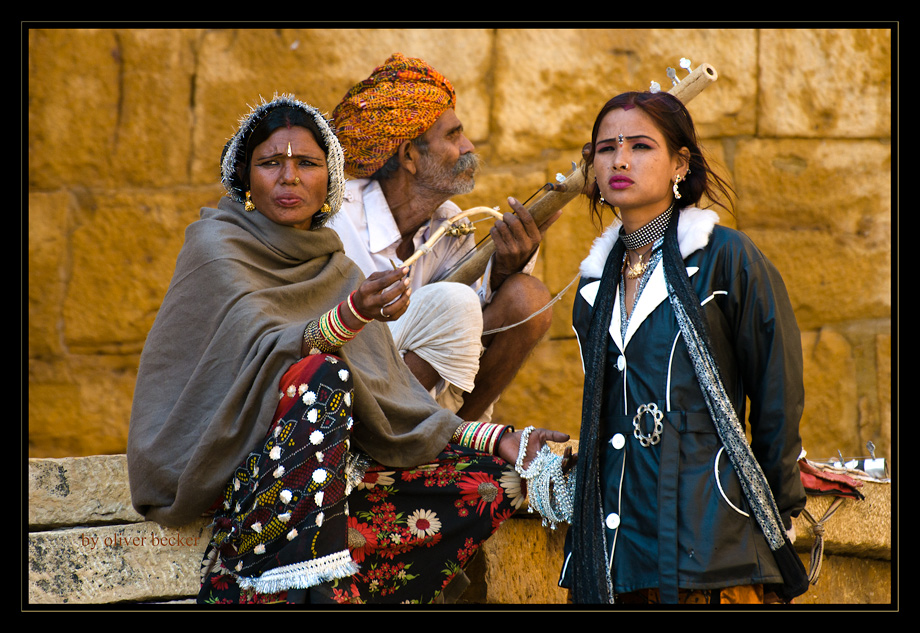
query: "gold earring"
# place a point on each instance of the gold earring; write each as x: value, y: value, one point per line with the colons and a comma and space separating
x: 248, y: 205
x: 676, y: 192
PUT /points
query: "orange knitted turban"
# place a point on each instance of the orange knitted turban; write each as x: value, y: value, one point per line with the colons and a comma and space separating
x: 398, y: 102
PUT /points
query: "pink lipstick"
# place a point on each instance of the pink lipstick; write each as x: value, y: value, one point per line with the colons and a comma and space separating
x: 619, y: 182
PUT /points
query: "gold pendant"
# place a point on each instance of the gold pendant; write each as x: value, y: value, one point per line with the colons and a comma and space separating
x: 634, y: 271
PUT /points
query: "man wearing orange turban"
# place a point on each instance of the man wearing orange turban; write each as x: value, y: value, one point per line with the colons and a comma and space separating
x: 405, y: 148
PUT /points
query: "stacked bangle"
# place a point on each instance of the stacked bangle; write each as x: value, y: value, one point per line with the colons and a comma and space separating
x: 480, y: 436
x: 328, y: 333
x: 551, y: 491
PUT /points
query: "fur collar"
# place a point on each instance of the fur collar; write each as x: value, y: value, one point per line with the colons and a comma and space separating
x: 693, y: 230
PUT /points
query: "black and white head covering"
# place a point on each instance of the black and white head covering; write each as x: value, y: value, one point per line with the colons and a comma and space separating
x: 234, y: 153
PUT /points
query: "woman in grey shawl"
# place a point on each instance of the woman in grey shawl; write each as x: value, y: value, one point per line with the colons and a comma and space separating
x: 270, y: 393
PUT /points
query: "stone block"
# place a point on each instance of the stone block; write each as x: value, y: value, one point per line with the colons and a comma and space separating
x: 825, y: 82
x: 547, y: 391
x: 112, y: 107
x: 82, y: 491
x: 851, y: 581
x: 830, y: 369
x: 520, y: 564
x: 810, y: 263
x: 793, y: 184
x: 551, y: 83
x: 49, y: 216
x: 80, y: 404
x: 139, y: 562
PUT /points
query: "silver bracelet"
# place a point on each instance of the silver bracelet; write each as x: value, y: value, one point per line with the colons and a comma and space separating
x: 522, y: 451
x: 550, y: 491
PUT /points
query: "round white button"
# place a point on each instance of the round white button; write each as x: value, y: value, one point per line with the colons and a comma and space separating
x: 618, y: 441
x: 621, y: 362
x: 612, y: 521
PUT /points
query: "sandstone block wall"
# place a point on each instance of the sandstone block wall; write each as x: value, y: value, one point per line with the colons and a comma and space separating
x: 126, y: 126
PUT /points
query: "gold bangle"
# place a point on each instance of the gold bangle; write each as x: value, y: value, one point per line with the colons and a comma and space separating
x: 354, y: 310
x: 314, y: 341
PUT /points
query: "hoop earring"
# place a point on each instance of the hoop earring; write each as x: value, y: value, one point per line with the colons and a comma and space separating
x: 249, y: 205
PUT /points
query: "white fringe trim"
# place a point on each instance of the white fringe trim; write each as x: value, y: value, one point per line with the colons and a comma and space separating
x: 302, y: 575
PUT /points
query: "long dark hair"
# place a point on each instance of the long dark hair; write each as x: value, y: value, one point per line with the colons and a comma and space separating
x: 673, y: 120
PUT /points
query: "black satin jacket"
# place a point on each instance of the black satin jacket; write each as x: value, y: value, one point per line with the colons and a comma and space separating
x: 674, y: 511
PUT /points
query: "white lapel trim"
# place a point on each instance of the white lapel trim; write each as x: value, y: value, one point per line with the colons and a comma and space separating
x: 655, y: 292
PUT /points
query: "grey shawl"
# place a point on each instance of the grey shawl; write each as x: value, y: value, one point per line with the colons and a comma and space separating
x: 230, y: 325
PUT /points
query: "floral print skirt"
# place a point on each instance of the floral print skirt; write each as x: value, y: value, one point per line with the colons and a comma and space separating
x: 390, y: 536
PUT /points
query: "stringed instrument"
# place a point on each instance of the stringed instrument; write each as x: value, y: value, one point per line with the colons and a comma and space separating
x: 552, y: 196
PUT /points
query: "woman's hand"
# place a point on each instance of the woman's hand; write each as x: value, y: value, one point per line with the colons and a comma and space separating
x: 384, y: 296
x: 509, y: 446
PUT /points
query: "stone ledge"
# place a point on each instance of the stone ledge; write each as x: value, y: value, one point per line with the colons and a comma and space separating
x: 87, y: 545
x: 859, y: 528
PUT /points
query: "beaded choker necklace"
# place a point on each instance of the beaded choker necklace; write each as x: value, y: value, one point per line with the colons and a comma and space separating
x: 647, y: 234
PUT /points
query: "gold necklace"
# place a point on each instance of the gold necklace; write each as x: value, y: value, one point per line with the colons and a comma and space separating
x: 634, y: 271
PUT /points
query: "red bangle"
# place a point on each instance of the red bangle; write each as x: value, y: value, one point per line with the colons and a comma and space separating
x: 354, y: 310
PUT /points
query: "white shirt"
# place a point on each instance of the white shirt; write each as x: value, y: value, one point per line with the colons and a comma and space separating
x: 368, y: 230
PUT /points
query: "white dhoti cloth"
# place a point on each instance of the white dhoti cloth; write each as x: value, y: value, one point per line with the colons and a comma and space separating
x: 443, y: 327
